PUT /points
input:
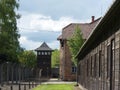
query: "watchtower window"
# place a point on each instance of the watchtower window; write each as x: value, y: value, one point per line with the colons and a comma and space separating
x: 49, y: 53
x: 45, y: 53
x: 42, y: 53
x: 39, y: 53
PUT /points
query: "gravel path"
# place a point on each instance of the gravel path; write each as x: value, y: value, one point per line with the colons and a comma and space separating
x: 77, y: 88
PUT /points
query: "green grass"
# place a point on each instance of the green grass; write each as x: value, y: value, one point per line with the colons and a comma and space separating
x: 55, y: 87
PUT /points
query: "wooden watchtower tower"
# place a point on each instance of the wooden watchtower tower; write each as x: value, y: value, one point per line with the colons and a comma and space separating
x: 44, y: 53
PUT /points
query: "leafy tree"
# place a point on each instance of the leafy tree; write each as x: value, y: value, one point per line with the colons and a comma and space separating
x: 28, y: 58
x: 55, y: 58
x: 75, y: 42
x: 9, y: 44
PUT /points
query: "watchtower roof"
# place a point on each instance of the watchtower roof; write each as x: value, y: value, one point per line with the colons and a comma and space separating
x: 43, y: 47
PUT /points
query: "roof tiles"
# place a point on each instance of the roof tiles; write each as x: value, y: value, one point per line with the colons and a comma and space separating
x: 86, y: 29
x: 43, y: 47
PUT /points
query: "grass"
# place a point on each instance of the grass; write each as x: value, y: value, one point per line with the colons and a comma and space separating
x: 54, y: 87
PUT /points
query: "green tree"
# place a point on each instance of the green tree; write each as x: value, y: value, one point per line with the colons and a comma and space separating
x: 75, y: 42
x: 55, y: 58
x: 9, y: 44
x: 28, y: 58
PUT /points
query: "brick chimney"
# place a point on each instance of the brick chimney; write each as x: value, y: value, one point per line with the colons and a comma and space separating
x: 93, y: 18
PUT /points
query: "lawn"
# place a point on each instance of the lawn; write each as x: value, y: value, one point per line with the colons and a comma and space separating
x: 55, y: 87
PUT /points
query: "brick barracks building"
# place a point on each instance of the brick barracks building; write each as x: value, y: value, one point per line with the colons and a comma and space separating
x: 67, y: 68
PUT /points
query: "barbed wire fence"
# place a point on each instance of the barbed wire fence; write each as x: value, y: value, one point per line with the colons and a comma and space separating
x: 15, y: 76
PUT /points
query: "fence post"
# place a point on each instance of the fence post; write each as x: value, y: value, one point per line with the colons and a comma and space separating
x: 11, y: 87
x: 29, y: 77
x: 24, y: 86
x: 32, y: 77
x: 2, y: 78
x: 12, y: 74
x: 16, y: 74
x: 7, y: 67
x: 19, y: 68
x: 19, y: 86
x: 29, y: 84
x: 0, y: 73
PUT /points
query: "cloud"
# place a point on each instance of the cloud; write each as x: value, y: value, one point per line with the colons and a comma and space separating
x: 44, y: 36
x: 37, y: 28
x: 53, y: 15
x: 78, y: 9
x: 31, y: 45
x: 35, y: 22
x: 28, y: 44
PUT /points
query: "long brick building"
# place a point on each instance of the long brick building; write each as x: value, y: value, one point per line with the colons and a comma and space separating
x: 99, y: 57
x: 67, y: 68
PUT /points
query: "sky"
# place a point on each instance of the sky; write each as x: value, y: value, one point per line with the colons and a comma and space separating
x: 43, y: 20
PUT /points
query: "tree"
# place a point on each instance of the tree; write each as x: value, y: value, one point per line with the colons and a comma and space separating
x: 28, y: 58
x: 75, y: 42
x: 9, y: 44
x: 55, y: 58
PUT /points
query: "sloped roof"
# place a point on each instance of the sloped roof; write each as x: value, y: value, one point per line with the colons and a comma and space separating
x: 43, y: 47
x: 60, y: 37
x: 111, y: 17
x: 85, y: 28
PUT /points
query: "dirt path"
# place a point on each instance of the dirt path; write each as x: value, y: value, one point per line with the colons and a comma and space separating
x: 77, y: 88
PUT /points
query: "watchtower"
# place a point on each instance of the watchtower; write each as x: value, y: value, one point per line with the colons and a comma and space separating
x: 44, y: 53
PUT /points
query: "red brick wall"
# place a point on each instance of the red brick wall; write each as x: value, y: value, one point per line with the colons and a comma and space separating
x: 66, y: 63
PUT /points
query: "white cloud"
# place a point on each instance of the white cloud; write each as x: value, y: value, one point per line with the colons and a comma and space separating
x: 54, y: 45
x: 28, y: 44
x: 31, y: 21
x: 31, y: 45
x: 35, y: 22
